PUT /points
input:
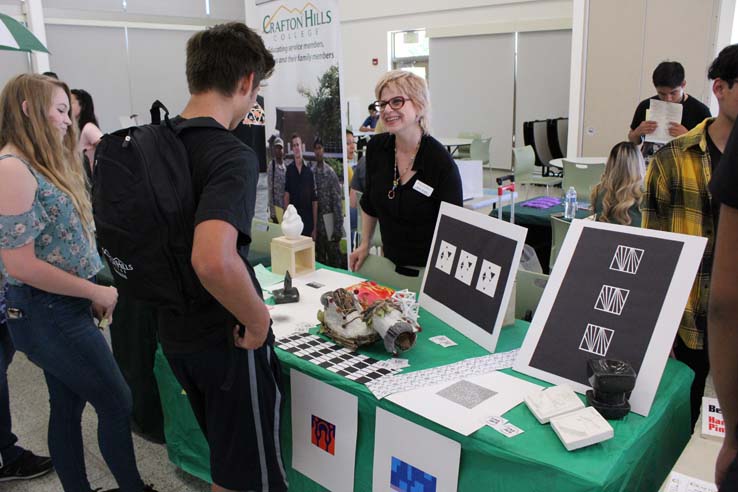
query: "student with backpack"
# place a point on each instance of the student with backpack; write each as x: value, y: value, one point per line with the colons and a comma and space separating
x: 49, y: 258
x: 179, y: 238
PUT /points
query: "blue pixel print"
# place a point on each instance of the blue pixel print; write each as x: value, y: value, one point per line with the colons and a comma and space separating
x: 407, y: 478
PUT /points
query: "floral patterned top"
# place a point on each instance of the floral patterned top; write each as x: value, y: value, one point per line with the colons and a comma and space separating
x: 53, y: 224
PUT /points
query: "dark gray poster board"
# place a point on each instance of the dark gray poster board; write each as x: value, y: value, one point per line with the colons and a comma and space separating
x: 617, y: 292
x: 470, y: 272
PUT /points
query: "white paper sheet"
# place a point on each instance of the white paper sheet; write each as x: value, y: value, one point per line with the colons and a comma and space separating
x: 431, y: 457
x: 303, y: 315
x: 464, y: 405
x: 388, y: 385
x: 326, y: 460
x: 679, y: 482
x: 663, y: 113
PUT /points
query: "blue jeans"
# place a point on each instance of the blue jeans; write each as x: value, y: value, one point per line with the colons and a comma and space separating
x: 58, y: 334
x: 9, y: 451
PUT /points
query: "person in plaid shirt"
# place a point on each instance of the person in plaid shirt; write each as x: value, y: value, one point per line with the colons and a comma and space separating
x: 677, y: 199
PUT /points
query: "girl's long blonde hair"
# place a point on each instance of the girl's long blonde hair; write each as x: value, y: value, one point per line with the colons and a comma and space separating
x: 622, y: 184
x: 38, y: 141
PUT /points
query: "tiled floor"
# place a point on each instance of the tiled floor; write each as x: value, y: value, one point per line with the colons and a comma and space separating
x: 29, y: 408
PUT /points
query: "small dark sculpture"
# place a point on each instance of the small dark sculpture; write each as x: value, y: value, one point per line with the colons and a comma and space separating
x: 612, y: 381
x: 288, y: 293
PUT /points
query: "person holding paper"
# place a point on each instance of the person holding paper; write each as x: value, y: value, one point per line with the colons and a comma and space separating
x: 669, y: 81
x: 330, y: 215
x: 677, y: 199
x: 408, y: 175
x: 723, y: 330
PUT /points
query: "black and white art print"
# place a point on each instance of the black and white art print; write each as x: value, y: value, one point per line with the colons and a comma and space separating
x: 616, y: 292
x: 470, y: 272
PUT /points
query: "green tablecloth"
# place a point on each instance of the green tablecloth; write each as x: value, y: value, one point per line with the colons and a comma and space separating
x: 527, y: 216
x: 638, y: 458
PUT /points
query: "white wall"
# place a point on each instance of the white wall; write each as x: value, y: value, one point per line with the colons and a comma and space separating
x: 478, y: 100
x: 622, y: 43
x: 125, y: 58
x: 365, y: 26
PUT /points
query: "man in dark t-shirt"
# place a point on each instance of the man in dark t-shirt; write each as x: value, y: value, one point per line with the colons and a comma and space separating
x: 668, y: 79
x: 723, y: 313
x: 299, y: 190
x: 221, y: 348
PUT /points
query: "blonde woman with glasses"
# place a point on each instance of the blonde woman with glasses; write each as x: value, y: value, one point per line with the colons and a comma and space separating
x: 408, y: 175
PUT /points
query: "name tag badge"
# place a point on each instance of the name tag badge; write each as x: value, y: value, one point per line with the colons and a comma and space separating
x: 423, y: 188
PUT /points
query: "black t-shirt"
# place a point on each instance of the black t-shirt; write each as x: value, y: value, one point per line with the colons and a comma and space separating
x: 407, y: 222
x: 693, y: 112
x: 724, y: 182
x: 224, y: 176
x: 301, y: 187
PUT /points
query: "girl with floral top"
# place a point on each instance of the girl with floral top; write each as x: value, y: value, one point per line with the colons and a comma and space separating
x: 48, y: 256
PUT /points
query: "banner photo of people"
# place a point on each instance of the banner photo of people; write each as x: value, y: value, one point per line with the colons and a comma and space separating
x: 303, y: 122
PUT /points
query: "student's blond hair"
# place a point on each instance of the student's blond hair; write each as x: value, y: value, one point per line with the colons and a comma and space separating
x: 38, y: 141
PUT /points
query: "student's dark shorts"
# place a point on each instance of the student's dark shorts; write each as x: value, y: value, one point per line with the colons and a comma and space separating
x: 242, y: 424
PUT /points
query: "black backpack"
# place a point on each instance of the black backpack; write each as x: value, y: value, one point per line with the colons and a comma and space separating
x: 144, y: 209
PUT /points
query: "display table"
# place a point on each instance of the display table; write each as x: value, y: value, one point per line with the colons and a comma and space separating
x: 538, y: 223
x: 638, y: 458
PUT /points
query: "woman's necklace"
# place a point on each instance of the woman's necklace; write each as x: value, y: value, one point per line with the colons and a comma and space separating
x: 398, y: 177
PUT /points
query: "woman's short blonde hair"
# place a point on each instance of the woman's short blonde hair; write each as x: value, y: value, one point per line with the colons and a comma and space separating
x: 414, y: 88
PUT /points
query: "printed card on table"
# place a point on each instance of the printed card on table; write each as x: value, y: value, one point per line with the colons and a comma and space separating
x: 324, y: 426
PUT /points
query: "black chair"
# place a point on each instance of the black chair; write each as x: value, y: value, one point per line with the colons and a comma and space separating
x: 535, y: 134
x: 552, y: 130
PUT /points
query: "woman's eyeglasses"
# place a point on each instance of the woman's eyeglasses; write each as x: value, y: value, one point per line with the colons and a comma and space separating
x: 394, y: 103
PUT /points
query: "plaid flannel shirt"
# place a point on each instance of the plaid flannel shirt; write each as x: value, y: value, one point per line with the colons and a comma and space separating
x: 677, y: 199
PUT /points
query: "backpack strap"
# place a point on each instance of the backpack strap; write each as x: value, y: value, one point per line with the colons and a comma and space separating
x: 155, y: 112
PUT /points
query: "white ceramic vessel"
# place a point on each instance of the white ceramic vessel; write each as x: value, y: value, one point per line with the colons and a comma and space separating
x: 291, y: 223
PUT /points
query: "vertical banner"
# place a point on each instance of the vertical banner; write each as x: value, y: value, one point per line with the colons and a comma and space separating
x: 304, y: 98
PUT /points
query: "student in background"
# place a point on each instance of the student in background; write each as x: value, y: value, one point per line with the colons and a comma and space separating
x: 617, y: 198
x: 669, y: 82
x: 83, y: 112
x: 370, y: 123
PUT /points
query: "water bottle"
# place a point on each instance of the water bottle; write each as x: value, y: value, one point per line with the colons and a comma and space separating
x: 570, y: 204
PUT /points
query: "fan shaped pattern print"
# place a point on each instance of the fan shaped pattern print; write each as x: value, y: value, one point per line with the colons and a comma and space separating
x: 626, y: 259
x: 612, y: 299
x: 596, y: 340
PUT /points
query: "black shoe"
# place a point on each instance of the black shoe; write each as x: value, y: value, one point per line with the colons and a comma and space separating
x: 147, y: 488
x: 27, y: 466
